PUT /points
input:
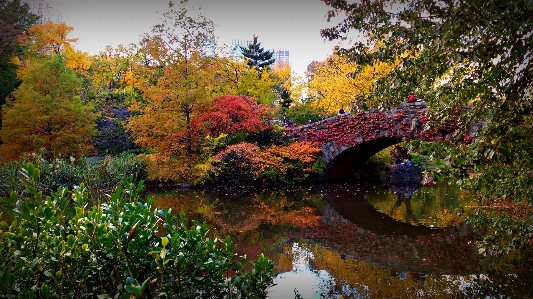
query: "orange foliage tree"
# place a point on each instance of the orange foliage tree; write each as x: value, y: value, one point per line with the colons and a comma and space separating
x: 245, y: 164
x: 297, y: 162
x: 49, y: 39
x: 175, y: 81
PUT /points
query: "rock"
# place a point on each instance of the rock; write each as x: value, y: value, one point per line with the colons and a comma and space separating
x: 405, y: 172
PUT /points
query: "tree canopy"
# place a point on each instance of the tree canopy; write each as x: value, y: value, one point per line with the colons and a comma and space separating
x: 47, y: 113
x: 339, y: 82
x: 15, y: 20
x: 471, y: 62
x: 256, y: 56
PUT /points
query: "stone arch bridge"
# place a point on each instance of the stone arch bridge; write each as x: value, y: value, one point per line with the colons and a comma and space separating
x: 348, y: 140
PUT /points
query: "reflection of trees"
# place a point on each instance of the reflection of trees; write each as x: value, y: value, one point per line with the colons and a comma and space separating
x: 357, y: 279
x: 404, y: 197
x: 359, y: 256
x: 276, y: 214
x: 435, y: 206
x: 444, y: 251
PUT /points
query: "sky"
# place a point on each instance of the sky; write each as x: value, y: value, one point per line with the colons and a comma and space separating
x: 292, y: 25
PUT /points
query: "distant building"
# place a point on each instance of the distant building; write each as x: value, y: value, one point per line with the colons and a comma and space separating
x: 235, y: 47
x: 281, y: 56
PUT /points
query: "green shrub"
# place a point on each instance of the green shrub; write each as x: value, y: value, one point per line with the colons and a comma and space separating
x: 9, y: 178
x: 55, y: 247
x: 98, y: 174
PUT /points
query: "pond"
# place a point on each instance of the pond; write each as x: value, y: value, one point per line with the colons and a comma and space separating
x: 357, y: 240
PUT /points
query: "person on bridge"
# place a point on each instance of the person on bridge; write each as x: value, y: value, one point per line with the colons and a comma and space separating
x: 411, y: 98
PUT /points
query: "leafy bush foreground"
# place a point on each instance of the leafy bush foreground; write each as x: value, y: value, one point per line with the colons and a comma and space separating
x: 98, y: 173
x: 57, y: 247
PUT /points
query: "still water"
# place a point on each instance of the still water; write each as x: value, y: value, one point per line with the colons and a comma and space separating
x: 357, y: 241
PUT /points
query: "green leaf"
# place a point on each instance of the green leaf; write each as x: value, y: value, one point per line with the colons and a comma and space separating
x: 132, y: 286
x: 145, y: 283
x: 48, y: 274
x: 45, y: 290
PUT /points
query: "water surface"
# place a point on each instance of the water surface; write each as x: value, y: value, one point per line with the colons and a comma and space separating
x: 357, y: 241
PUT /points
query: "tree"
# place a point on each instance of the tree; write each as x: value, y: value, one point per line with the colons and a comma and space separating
x: 289, y: 86
x: 47, y: 113
x: 256, y: 56
x: 461, y: 53
x: 175, y: 80
x: 110, y: 87
x: 232, y: 114
x: 49, y: 39
x: 339, y: 82
x: 236, y: 77
x: 15, y: 20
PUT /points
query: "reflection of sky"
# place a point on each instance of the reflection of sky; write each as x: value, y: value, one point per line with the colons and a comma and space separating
x: 301, y: 277
x: 308, y: 283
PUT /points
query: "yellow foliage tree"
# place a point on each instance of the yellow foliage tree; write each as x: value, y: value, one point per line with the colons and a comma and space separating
x: 236, y: 77
x: 339, y: 82
x: 289, y: 87
x: 49, y: 39
x: 47, y: 113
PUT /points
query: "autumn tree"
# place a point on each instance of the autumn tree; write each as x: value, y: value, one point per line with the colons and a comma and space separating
x: 236, y: 77
x: 46, y: 40
x: 256, y: 56
x: 47, y: 113
x: 231, y: 114
x: 178, y: 59
x: 15, y: 20
x: 50, y: 38
x: 288, y: 87
x: 339, y: 82
x: 465, y: 53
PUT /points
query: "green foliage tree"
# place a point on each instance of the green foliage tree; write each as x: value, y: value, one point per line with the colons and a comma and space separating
x: 47, y: 113
x: 455, y: 54
x: 15, y: 20
x: 302, y: 113
x: 256, y: 56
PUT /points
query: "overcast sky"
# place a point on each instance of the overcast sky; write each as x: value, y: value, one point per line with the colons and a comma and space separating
x: 292, y: 25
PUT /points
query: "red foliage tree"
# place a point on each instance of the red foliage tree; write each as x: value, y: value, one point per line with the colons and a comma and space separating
x: 231, y: 114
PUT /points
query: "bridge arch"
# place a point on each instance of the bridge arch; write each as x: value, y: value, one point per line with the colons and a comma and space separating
x: 343, y: 164
x: 347, y: 141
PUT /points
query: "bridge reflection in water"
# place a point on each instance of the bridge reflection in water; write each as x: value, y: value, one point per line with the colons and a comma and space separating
x: 353, y: 227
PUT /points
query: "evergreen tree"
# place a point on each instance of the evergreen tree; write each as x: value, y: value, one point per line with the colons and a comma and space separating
x: 257, y: 56
x: 15, y: 20
x: 47, y: 113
